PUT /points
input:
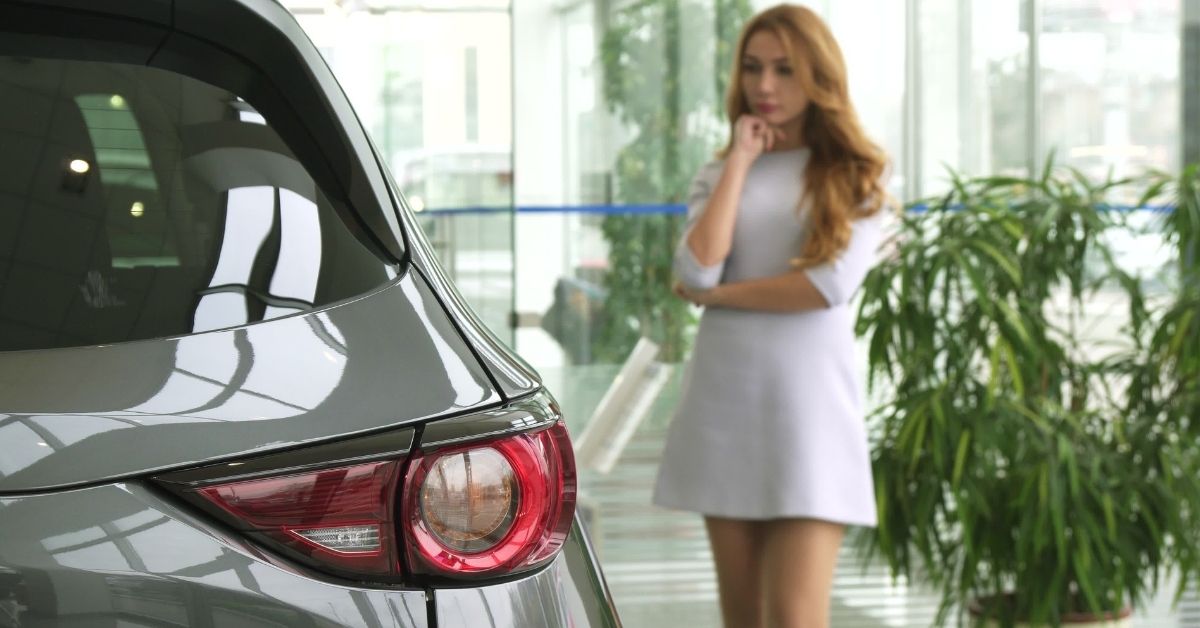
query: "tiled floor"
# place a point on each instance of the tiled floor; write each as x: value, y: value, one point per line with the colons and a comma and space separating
x: 657, y: 562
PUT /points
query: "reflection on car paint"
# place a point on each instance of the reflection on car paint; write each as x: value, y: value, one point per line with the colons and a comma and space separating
x: 142, y: 561
x: 274, y: 383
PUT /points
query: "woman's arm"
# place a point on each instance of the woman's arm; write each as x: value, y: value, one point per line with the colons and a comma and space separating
x: 817, y: 287
x: 711, y: 237
x: 789, y: 292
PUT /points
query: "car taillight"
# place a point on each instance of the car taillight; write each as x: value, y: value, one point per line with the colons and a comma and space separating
x: 462, y: 507
x: 340, y: 517
x: 489, y: 508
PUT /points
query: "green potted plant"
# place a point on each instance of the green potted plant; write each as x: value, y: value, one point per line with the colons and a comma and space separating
x: 1030, y: 467
x: 1175, y: 357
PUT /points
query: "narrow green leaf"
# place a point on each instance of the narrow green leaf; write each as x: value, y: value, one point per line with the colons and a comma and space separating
x: 1006, y: 264
x: 1066, y: 451
x: 1043, y: 487
x: 1014, y: 370
x: 1181, y: 330
x: 993, y: 385
x: 960, y: 458
x: 1110, y: 517
x: 1082, y: 558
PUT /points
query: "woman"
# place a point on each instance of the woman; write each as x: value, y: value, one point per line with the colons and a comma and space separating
x: 768, y: 442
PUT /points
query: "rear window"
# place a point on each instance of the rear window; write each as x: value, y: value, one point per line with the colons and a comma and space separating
x: 138, y: 203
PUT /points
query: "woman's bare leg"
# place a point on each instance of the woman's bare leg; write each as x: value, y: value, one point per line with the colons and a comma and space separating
x: 798, y: 560
x: 737, y: 552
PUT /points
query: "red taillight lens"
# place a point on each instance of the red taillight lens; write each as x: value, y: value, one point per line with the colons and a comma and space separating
x: 490, y: 508
x: 341, y: 517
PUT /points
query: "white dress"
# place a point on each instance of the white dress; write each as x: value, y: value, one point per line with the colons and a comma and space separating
x: 771, y: 418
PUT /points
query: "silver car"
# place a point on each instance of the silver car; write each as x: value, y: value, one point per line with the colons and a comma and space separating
x: 235, y: 387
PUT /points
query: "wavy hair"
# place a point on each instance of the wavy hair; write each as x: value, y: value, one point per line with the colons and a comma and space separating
x: 844, y: 177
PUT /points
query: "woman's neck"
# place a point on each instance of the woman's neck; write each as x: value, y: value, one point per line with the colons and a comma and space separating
x: 793, y: 136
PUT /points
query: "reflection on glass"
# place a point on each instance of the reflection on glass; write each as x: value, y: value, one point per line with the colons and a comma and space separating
x: 299, y: 261
x: 249, y: 216
x: 293, y: 272
x: 194, y: 214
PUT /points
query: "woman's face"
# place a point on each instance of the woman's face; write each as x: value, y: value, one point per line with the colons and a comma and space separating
x: 769, y: 81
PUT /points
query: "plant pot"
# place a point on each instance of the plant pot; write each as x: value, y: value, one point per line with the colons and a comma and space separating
x: 1120, y: 619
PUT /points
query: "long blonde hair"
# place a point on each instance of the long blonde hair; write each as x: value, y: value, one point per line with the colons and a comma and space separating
x: 844, y: 177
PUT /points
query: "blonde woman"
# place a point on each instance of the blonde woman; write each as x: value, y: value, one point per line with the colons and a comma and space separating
x: 768, y: 442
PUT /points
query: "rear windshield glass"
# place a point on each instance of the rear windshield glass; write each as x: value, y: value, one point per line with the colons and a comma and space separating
x: 138, y: 203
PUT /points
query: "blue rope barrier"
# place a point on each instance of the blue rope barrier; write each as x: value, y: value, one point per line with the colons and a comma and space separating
x: 611, y: 210
x: 565, y: 209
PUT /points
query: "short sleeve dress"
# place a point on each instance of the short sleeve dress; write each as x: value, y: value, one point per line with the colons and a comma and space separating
x: 771, y: 418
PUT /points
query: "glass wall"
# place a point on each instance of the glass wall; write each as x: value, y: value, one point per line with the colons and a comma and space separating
x: 549, y: 143
x: 971, y: 86
x: 1110, y: 89
x: 433, y: 85
x: 971, y: 94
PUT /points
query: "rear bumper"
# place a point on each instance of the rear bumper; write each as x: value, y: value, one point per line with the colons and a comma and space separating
x: 120, y: 554
x: 569, y: 592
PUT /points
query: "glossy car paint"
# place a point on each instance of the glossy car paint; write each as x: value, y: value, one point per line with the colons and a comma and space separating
x: 118, y: 553
x: 139, y: 557
x: 384, y: 360
x: 116, y: 549
x: 512, y: 375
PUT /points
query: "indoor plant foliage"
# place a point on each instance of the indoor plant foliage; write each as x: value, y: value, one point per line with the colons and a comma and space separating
x: 666, y: 64
x: 1020, y: 463
x: 1175, y: 368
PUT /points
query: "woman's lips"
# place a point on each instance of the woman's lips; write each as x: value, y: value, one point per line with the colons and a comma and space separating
x: 765, y: 108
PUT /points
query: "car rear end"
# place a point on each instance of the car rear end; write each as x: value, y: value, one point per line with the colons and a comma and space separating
x: 235, y: 387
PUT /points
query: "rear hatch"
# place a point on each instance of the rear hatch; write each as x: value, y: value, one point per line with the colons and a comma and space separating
x: 77, y: 416
x: 197, y: 264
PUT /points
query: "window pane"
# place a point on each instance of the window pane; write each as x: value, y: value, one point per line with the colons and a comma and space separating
x: 433, y: 84
x: 137, y: 203
x: 973, y: 60
x: 1110, y: 84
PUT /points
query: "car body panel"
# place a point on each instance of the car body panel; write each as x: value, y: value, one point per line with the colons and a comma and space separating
x: 512, y: 375
x: 122, y: 554
x: 381, y: 361
x: 569, y: 592
x: 126, y: 553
